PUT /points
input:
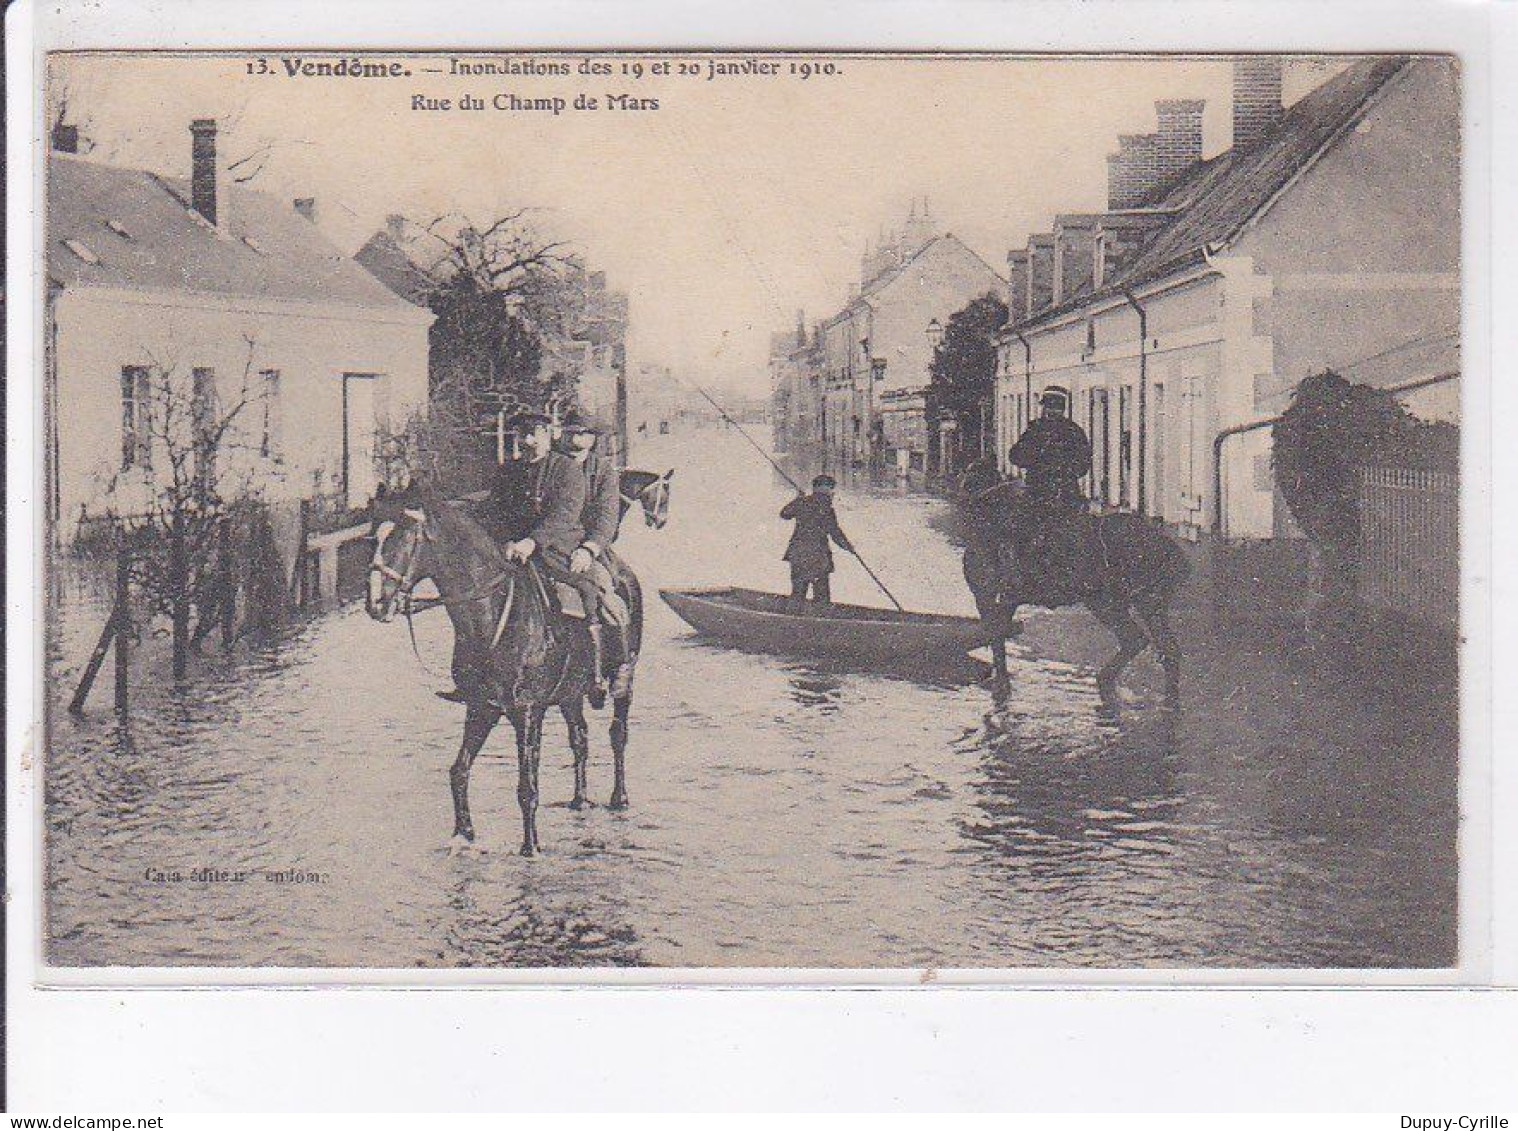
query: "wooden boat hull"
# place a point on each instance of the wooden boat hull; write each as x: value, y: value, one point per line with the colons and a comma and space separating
x: 768, y: 622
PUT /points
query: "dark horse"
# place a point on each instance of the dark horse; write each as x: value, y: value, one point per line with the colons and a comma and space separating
x: 521, y: 654
x: 1135, y: 569
x: 651, y: 491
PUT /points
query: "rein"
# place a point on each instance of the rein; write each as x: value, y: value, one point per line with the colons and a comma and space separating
x: 411, y: 605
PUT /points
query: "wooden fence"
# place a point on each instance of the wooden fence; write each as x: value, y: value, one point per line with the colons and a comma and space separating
x: 1410, y: 544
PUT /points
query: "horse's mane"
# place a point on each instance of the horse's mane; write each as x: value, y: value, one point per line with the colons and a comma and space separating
x: 638, y: 480
x: 460, y: 527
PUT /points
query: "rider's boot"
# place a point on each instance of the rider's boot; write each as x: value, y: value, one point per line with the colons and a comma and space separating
x: 596, y: 693
x: 622, y: 673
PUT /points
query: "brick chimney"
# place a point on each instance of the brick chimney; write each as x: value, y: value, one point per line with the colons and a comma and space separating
x: 1179, y: 140
x: 1132, y: 171
x: 306, y: 206
x: 1040, y: 271
x: 208, y: 181
x: 1074, y: 253
x: 1256, y: 99
x: 1017, y: 285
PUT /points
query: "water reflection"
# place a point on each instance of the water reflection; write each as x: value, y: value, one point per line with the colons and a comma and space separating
x: 785, y: 813
x: 817, y: 690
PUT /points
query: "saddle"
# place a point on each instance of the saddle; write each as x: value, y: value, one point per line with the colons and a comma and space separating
x: 1053, y: 560
x: 568, y: 599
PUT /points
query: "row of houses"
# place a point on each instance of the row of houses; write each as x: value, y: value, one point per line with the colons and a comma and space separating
x: 854, y: 386
x: 241, y: 293
x: 1327, y: 235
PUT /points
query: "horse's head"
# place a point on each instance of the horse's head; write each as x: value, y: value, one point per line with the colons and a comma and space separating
x: 651, y: 491
x: 402, y: 557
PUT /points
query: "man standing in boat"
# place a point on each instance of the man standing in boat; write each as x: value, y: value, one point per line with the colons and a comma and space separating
x: 809, y: 552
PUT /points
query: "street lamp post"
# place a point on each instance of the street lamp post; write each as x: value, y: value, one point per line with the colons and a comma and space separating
x: 935, y: 339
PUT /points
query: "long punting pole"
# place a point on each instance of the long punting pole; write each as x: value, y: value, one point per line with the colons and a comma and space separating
x: 800, y: 490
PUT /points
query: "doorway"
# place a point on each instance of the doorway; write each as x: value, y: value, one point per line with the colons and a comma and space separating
x: 360, y: 423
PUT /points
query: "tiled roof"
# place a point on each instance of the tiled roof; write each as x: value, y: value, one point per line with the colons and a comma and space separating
x: 390, y: 263
x: 1217, y: 197
x: 127, y: 228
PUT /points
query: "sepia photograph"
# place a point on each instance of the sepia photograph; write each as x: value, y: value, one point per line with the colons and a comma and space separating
x: 549, y: 511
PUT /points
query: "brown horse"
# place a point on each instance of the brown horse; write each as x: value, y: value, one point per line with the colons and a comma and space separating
x: 1133, y: 574
x: 519, y: 654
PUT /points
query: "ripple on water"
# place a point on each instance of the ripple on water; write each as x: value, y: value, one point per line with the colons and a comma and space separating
x: 784, y: 814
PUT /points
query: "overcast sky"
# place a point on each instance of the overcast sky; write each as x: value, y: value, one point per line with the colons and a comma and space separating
x: 736, y: 202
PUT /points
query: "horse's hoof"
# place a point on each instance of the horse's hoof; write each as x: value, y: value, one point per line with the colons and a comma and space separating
x: 619, y: 801
x: 582, y: 803
x: 528, y: 850
x: 466, y: 833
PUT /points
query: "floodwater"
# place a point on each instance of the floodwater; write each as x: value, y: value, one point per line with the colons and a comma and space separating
x: 290, y: 806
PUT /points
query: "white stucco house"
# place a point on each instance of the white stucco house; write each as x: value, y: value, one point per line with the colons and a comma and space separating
x: 1181, y: 319
x: 234, y: 288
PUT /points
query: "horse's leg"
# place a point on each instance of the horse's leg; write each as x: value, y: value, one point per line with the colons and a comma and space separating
x: 621, y: 709
x: 527, y: 797
x: 534, y: 750
x: 579, y: 742
x: 478, y: 722
x: 1131, y: 640
x: 1157, y: 621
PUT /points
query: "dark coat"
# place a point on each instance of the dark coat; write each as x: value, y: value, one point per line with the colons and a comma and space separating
x: 809, y: 553
x: 1056, y: 454
x: 543, y: 501
x: 603, y: 502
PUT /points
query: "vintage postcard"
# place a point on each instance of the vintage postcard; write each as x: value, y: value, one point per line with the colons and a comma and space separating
x: 527, y: 511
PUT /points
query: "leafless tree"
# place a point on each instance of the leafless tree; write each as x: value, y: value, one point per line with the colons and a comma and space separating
x: 182, y: 455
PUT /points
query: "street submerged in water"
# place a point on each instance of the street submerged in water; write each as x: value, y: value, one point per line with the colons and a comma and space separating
x: 783, y: 813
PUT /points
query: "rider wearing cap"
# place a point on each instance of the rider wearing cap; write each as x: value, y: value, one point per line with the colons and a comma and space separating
x: 1055, y: 453
x: 600, y: 518
x: 535, y: 510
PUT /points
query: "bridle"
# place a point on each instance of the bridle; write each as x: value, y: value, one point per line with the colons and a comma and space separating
x: 642, y: 499
x: 410, y: 604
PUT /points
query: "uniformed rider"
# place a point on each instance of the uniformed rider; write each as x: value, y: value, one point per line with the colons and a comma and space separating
x: 535, y: 511
x: 601, y: 519
x: 1055, y: 454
